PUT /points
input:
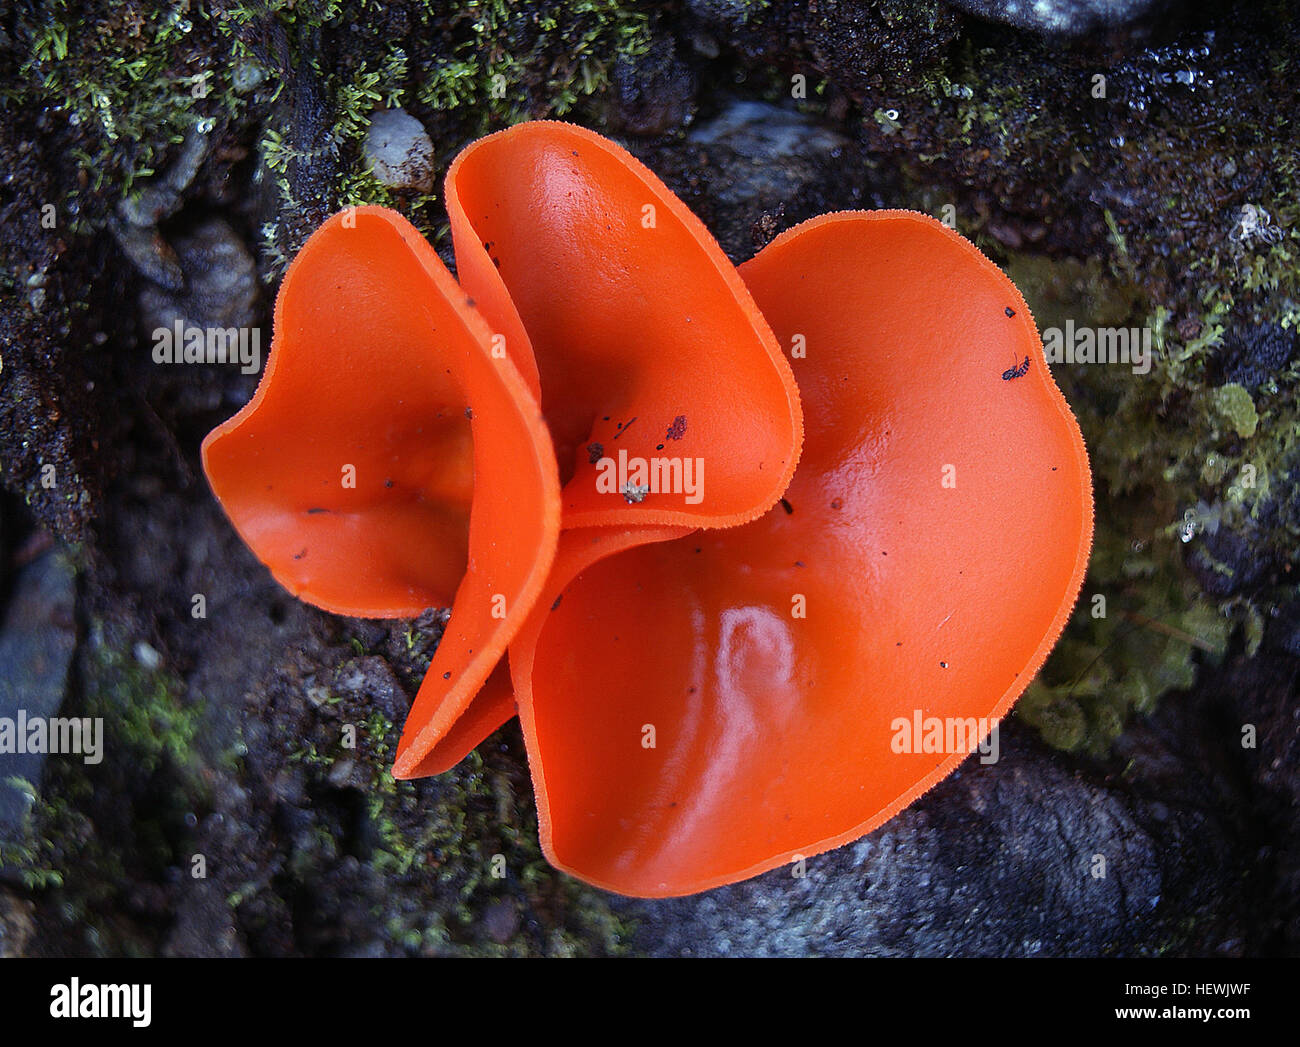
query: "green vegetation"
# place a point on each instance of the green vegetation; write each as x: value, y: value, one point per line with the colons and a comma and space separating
x: 131, y: 80
x: 463, y: 843
x: 94, y: 829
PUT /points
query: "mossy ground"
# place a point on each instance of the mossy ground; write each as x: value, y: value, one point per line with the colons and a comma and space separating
x: 99, y: 831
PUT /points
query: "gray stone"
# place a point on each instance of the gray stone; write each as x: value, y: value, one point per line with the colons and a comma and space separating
x: 764, y: 161
x: 1026, y: 857
x: 766, y: 152
x: 1068, y: 17
x: 732, y: 12
x: 36, y: 645
x: 17, y: 924
x: 1251, y: 355
x: 398, y: 150
x: 221, y: 286
x: 652, y: 92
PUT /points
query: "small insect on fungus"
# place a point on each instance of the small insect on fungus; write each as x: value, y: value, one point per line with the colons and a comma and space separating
x: 1017, y: 371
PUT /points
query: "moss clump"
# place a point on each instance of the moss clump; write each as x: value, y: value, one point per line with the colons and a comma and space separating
x: 462, y: 68
x: 506, y: 64
x: 1183, y: 192
x: 54, y: 830
x: 1181, y: 466
x: 129, y: 80
x: 1140, y: 630
x: 1234, y: 403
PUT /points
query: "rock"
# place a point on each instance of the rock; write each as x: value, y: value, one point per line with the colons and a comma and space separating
x: 1228, y: 561
x: 1252, y: 356
x: 204, y: 924
x: 1260, y: 693
x: 501, y: 920
x: 37, y: 641
x: 1067, y: 17
x: 1036, y: 855
x: 50, y: 415
x: 1282, y: 633
x: 726, y: 12
x: 148, y: 656
x: 246, y: 76
x: 1237, y: 556
x: 763, y: 159
x: 371, y: 681
x: 220, y: 280
x: 653, y: 92
x: 16, y: 924
x: 399, y: 151
x: 767, y: 153
x: 855, y: 45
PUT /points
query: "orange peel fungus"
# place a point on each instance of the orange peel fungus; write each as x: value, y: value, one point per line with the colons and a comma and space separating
x: 592, y: 446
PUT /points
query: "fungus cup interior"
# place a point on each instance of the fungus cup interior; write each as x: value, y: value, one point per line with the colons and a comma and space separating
x: 645, y: 339
x: 386, y: 459
x: 936, y: 538
x: 623, y: 315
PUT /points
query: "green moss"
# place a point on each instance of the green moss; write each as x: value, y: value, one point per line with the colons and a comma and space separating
x: 1171, y: 464
x: 36, y: 856
x: 131, y: 81
x: 1234, y: 403
x: 446, y: 850
x: 463, y: 68
x: 145, y: 720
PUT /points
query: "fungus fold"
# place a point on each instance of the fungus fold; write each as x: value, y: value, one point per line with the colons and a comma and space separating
x: 707, y: 680
x: 386, y: 459
x: 939, y: 530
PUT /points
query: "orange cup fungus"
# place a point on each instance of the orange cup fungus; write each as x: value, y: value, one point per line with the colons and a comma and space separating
x: 588, y: 446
